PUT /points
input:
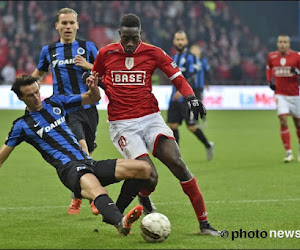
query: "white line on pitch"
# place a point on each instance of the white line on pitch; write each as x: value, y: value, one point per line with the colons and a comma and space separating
x: 158, y: 203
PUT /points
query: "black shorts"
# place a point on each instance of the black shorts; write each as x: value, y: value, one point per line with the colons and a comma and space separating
x: 83, y: 123
x: 71, y: 173
x: 177, y: 112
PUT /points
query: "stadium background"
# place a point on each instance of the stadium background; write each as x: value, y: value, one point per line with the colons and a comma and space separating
x: 236, y: 35
x: 246, y: 186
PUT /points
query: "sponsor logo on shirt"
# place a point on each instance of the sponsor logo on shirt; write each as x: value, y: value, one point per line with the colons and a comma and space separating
x: 283, y: 71
x: 62, y: 62
x: 128, y: 77
x: 52, y: 125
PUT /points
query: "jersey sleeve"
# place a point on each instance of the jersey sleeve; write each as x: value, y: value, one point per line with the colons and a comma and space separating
x: 93, y: 52
x: 43, y: 64
x: 98, y: 64
x: 269, y: 69
x: 169, y: 67
x: 16, y: 134
x: 70, y: 103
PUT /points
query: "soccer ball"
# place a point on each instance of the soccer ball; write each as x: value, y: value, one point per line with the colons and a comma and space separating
x: 155, y: 227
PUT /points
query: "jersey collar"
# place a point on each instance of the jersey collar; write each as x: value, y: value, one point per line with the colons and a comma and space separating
x: 138, y: 46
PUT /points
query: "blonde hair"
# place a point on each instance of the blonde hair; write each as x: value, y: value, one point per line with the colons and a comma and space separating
x: 65, y: 11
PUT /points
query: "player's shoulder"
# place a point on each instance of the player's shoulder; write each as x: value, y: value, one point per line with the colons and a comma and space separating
x: 79, y: 40
x: 20, y: 120
x: 273, y: 54
x: 294, y: 52
x: 54, y: 99
x: 148, y: 46
x: 110, y: 48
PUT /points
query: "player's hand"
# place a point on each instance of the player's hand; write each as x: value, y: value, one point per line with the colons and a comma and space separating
x: 81, y: 62
x: 195, y: 107
x: 272, y: 85
x: 295, y: 71
x: 91, y: 80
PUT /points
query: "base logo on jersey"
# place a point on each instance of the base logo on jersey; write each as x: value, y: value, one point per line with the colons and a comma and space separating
x: 128, y: 77
x: 284, y: 71
x: 129, y: 62
x: 282, y: 61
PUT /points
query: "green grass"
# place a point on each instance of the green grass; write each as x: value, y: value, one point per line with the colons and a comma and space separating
x: 246, y: 186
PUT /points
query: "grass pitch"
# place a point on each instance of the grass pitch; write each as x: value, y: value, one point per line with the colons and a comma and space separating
x: 246, y: 187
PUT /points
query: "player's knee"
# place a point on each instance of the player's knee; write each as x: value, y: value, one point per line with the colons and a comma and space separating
x: 153, y: 180
x: 145, y: 170
x: 192, y: 128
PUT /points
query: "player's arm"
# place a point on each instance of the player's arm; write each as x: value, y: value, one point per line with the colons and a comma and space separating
x: 43, y: 64
x: 269, y: 75
x: 83, y: 63
x: 39, y: 74
x: 93, y: 94
x: 4, y: 153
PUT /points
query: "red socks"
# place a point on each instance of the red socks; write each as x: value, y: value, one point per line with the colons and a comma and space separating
x: 285, y: 137
x: 191, y: 189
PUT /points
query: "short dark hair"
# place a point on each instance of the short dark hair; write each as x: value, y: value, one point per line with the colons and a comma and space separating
x: 130, y: 20
x: 23, y: 80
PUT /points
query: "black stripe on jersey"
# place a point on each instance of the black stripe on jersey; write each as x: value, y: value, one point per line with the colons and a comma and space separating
x: 50, y: 119
x: 60, y: 85
x: 30, y: 121
x: 65, y: 105
x: 71, y: 70
x: 45, y: 65
x: 82, y: 44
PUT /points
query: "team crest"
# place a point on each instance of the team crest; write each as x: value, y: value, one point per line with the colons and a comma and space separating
x: 282, y: 61
x: 129, y: 62
x: 56, y: 110
x: 80, y: 51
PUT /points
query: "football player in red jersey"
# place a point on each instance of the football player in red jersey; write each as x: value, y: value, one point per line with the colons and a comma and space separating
x: 282, y: 75
x: 136, y: 125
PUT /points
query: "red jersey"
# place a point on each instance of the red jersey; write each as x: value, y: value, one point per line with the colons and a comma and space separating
x: 279, y: 68
x: 127, y: 79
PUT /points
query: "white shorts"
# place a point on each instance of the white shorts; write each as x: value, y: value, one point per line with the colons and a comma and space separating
x: 132, y: 137
x: 288, y: 105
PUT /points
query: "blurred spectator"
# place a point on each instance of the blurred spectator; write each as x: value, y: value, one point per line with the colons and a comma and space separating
x: 234, y: 52
x: 8, y: 73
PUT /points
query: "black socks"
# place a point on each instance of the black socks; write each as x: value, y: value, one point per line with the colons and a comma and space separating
x: 111, y: 214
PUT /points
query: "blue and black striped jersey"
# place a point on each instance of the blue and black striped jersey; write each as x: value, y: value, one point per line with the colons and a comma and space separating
x: 66, y: 75
x: 47, y: 131
x: 202, y: 68
x: 186, y: 62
